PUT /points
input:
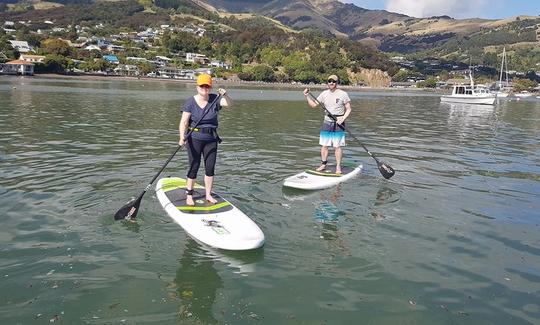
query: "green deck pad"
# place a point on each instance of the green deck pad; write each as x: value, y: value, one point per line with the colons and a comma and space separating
x: 330, y: 171
x: 178, y: 198
x: 173, y: 183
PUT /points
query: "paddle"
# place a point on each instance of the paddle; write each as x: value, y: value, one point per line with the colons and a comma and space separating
x: 385, y: 169
x: 129, y: 210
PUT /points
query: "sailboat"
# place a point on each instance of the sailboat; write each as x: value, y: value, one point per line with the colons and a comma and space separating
x: 504, y: 89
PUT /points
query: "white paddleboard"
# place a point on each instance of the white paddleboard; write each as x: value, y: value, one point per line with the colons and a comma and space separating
x: 314, y: 180
x: 219, y: 225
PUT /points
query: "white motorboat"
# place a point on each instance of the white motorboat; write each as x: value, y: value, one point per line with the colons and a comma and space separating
x: 523, y: 94
x: 470, y: 94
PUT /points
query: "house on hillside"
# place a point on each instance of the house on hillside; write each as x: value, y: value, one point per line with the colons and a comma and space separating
x: 175, y: 73
x: 136, y: 59
x: 21, y: 46
x: 17, y: 67
x: 115, y: 48
x: 9, y: 27
x: 93, y: 47
x: 32, y: 58
x: 163, y: 60
x: 103, y: 43
x: 219, y: 64
x: 111, y: 59
x: 197, y: 58
x: 129, y: 70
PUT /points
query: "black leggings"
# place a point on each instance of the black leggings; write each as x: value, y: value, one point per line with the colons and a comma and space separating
x: 209, y: 151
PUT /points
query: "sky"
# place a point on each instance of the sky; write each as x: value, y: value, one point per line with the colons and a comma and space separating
x: 492, y: 9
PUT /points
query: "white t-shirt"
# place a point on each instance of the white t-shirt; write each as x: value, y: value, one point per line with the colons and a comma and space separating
x: 334, y: 102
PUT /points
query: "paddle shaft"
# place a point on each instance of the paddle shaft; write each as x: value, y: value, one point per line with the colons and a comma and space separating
x: 330, y: 115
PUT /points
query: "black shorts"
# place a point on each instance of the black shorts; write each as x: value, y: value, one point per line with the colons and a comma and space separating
x: 197, y: 148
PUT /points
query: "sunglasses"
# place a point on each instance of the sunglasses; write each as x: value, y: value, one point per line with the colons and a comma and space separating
x: 205, y: 86
x: 332, y: 81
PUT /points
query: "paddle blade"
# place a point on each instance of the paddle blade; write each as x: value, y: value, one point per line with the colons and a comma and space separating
x: 386, y: 170
x: 129, y: 211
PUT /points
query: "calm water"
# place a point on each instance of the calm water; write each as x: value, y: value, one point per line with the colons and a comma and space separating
x: 452, y: 238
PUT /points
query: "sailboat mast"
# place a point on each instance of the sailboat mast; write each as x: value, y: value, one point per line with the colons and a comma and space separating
x: 502, y: 67
x: 505, y: 65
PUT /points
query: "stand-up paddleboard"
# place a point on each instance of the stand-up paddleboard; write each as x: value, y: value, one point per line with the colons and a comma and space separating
x: 220, y: 225
x: 314, y: 180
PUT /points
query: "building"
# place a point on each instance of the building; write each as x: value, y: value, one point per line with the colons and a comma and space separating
x: 111, y: 59
x: 21, y: 46
x: 163, y: 60
x: 219, y: 64
x: 32, y: 58
x: 17, y: 67
x: 174, y: 73
x: 129, y: 70
x: 115, y: 48
x: 197, y: 58
x: 93, y: 47
x: 136, y: 59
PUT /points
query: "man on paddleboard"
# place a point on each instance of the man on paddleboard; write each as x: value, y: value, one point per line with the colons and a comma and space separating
x: 338, y: 103
x: 204, y: 139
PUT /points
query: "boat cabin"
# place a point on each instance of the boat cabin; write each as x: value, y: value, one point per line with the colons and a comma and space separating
x: 470, y: 90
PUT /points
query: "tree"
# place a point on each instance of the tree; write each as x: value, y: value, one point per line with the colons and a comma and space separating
x: 145, y: 67
x: 6, y: 48
x: 271, y: 56
x: 55, y: 63
x: 524, y: 84
x: 56, y: 46
x: 263, y: 73
x: 429, y: 83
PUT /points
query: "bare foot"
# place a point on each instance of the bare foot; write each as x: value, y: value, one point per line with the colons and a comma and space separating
x: 321, y: 168
x: 189, y: 200
x: 338, y: 170
x: 210, y: 199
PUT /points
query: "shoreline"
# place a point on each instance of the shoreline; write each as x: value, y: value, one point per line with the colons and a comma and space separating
x: 236, y: 83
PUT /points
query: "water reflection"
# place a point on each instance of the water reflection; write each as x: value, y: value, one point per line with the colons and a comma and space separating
x: 469, y: 114
x: 197, y: 283
x: 327, y: 212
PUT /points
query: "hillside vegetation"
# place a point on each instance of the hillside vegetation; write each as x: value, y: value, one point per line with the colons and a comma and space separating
x: 256, y: 48
x: 298, y: 40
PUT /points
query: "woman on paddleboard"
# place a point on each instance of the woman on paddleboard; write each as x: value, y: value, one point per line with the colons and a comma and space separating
x: 203, y: 140
x: 338, y: 103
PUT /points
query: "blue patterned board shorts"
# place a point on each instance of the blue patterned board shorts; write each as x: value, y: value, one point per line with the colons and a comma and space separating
x: 331, y: 137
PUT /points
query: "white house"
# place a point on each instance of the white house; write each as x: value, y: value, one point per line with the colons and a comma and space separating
x: 17, y: 67
x: 163, y: 60
x: 32, y: 58
x: 115, y: 48
x: 174, y: 73
x: 136, y: 59
x: 92, y: 47
x: 127, y: 70
x: 21, y: 46
x: 219, y: 64
x: 196, y: 57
